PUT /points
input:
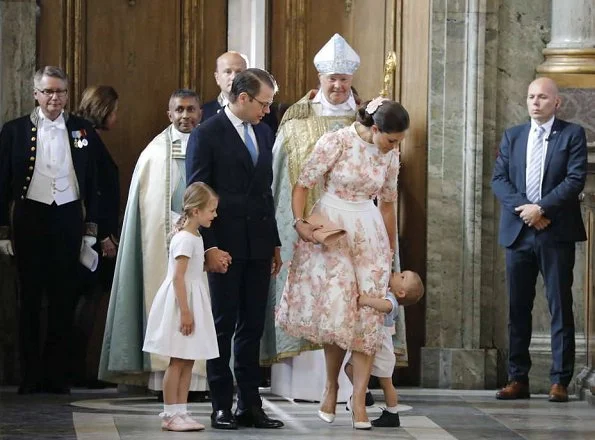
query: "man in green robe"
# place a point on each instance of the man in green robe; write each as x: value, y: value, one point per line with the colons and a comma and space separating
x: 154, y: 204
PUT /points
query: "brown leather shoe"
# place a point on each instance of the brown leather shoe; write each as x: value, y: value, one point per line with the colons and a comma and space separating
x: 514, y: 390
x: 558, y: 393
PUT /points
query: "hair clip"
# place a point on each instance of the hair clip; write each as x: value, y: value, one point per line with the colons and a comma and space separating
x: 374, y: 104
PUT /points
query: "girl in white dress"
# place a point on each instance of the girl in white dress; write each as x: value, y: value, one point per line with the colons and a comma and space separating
x: 180, y: 323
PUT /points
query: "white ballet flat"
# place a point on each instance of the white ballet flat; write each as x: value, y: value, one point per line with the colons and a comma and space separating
x: 326, y: 417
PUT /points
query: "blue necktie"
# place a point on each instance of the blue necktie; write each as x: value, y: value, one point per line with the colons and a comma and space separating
x: 534, y: 169
x: 250, y: 143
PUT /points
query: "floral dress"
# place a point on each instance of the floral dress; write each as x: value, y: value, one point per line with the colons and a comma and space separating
x: 319, y: 301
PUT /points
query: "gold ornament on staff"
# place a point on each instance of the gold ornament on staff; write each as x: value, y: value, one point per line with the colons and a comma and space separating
x: 390, y: 65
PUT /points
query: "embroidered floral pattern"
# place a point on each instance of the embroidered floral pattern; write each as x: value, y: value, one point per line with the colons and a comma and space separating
x: 319, y: 302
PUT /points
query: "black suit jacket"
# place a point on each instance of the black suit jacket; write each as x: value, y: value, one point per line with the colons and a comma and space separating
x: 108, y: 193
x: 245, y: 226
x: 211, y: 108
x: 564, y: 176
x: 18, y: 152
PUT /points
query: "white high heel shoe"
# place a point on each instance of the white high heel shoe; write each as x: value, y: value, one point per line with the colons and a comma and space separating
x: 357, y: 425
x: 326, y: 417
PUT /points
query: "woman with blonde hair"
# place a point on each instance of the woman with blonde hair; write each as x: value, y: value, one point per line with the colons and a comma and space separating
x: 180, y: 324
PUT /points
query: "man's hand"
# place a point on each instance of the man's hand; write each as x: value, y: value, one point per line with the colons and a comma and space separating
x: 542, y: 223
x: 531, y: 215
x: 277, y: 262
x: 6, y: 248
x: 217, y: 260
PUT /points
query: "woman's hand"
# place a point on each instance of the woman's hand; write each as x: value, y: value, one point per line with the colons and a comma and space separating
x: 108, y: 248
x: 186, y: 322
x: 306, y: 231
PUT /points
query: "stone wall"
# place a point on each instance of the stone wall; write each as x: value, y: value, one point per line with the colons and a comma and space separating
x: 483, y: 56
x: 17, y: 65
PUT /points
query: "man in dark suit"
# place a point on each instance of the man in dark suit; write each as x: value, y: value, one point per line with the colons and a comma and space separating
x: 538, y: 176
x: 48, y: 207
x: 232, y: 152
x: 228, y: 65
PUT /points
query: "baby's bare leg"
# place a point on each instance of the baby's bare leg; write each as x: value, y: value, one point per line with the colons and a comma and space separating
x: 390, y: 393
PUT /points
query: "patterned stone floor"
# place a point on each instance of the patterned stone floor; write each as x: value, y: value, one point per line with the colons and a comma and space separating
x: 425, y: 415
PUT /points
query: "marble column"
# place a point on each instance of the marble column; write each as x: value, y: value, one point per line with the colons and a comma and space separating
x: 570, y: 60
x: 570, y: 54
x: 482, y: 58
x: 248, y: 39
x: 17, y: 66
x: 17, y: 57
x: 586, y: 377
x: 454, y: 356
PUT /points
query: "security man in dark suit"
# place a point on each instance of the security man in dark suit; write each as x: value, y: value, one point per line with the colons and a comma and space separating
x: 538, y: 176
x: 48, y: 207
x: 229, y: 64
x: 232, y: 152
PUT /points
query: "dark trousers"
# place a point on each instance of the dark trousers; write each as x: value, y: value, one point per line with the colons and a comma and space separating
x: 527, y: 257
x: 239, y: 300
x: 47, y: 246
x: 90, y: 315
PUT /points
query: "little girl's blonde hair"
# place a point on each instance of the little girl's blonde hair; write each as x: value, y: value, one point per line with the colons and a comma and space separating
x: 197, y: 195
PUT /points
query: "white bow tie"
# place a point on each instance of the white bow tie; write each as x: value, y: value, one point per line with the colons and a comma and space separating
x: 50, y: 125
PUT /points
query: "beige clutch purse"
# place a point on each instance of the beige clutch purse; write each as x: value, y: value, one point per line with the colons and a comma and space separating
x: 328, y: 232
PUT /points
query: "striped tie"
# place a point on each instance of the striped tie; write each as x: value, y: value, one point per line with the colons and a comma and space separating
x: 534, y: 168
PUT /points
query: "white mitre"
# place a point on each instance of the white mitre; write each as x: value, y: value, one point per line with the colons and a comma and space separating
x: 336, y: 56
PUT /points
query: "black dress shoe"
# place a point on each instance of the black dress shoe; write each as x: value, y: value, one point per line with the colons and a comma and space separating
x: 29, y: 388
x: 55, y: 389
x: 256, y: 417
x: 95, y: 384
x: 223, y: 419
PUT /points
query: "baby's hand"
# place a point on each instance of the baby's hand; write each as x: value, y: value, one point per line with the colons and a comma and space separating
x: 362, y: 300
x: 393, y: 282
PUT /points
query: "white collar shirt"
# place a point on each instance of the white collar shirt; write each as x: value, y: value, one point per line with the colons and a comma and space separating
x: 180, y: 138
x: 238, y: 124
x: 54, y: 178
x: 328, y: 109
x: 222, y: 100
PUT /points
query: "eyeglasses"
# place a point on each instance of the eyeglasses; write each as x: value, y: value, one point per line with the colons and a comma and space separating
x: 49, y: 92
x: 264, y: 105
